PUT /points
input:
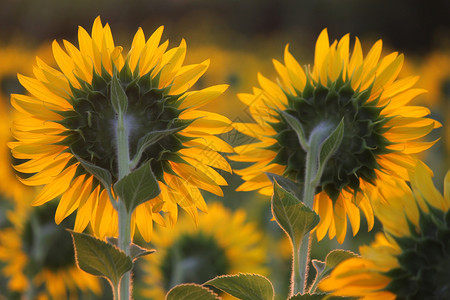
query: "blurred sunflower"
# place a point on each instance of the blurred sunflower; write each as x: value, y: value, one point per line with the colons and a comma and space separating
x: 435, y: 77
x: 411, y: 260
x: 13, y: 59
x: 380, y: 129
x: 224, y: 69
x: 223, y: 243
x: 38, y: 257
x: 69, y: 116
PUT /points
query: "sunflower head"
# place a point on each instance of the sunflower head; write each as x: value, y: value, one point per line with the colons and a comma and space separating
x: 223, y: 243
x: 39, y: 256
x: 411, y: 260
x: 90, y: 132
x: 68, y: 127
x: 380, y: 130
x: 319, y: 105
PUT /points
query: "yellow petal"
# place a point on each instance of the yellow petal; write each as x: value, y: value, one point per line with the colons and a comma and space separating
x: 70, y: 200
x: 199, y: 98
x: 56, y: 187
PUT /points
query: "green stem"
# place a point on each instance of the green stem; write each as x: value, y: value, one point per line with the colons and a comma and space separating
x: 115, y: 292
x: 123, y: 154
x: 124, y: 245
x: 30, y: 294
x: 311, y: 169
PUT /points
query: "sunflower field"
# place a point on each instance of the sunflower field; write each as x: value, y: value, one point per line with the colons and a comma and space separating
x: 254, y: 150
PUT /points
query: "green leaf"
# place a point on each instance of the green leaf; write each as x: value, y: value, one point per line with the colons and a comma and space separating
x: 136, y: 251
x: 298, y: 128
x: 103, y: 175
x: 99, y: 258
x: 295, y: 218
x: 294, y: 188
x: 137, y: 187
x: 191, y: 291
x: 119, y: 98
x: 329, y: 147
x: 150, y: 139
x: 244, y: 286
x: 323, y: 269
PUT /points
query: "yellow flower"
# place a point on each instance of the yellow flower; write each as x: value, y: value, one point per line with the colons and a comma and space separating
x: 380, y: 129
x: 435, y: 77
x: 411, y: 259
x: 38, y: 256
x: 223, y: 243
x: 225, y: 69
x: 69, y: 115
x: 14, y: 58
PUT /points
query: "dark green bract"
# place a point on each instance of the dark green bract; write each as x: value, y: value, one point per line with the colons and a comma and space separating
x: 362, y: 143
x: 424, y: 271
x: 91, y: 125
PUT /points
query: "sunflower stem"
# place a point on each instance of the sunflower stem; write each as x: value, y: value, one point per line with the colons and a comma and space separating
x: 318, y: 135
x: 123, y: 158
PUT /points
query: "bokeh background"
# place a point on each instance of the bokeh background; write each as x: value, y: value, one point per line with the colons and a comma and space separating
x: 240, y: 37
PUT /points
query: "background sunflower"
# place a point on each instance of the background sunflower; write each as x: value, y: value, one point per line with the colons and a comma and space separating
x: 223, y: 242
x: 38, y: 258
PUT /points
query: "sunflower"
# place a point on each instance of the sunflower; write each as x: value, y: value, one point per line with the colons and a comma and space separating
x: 13, y: 59
x: 435, y: 77
x: 380, y: 129
x: 224, y: 69
x: 38, y: 257
x: 411, y: 259
x: 68, y: 118
x: 223, y: 243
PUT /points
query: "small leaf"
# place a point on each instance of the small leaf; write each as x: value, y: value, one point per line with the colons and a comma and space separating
x: 136, y: 251
x: 191, y: 291
x: 151, y: 138
x: 295, y: 218
x: 329, y: 147
x: 294, y: 188
x: 119, y: 99
x: 323, y: 269
x: 137, y: 187
x: 99, y: 258
x: 337, y: 256
x: 244, y: 286
x: 298, y: 128
x: 318, y: 265
x: 101, y: 174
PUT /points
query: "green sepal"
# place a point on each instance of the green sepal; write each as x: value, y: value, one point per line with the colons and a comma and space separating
x: 191, y: 291
x: 119, y: 98
x: 323, y: 269
x: 99, y: 258
x: 137, y: 187
x: 244, y: 286
x: 295, y: 218
x: 150, y: 139
x: 298, y: 128
x: 103, y: 175
x: 328, y: 147
x: 136, y: 251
